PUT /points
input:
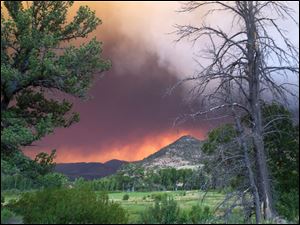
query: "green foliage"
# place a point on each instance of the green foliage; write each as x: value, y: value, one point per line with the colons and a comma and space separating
x: 164, y: 179
x: 163, y: 212
x: 282, y: 144
x: 68, y: 206
x: 126, y: 197
x: 182, y: 193
x: 159, y: 196
x: 281, y: 139
x: 35, y: 61
x: 288, y: 205
x: 222, y: 148
x: 53, y: 180
x: 81, y: 183
x: 45, y: 162
x: 6, y: 215
x: 22, y: 173
x: 200, y: 215
x: 166, y: 211
x: 221, y: 135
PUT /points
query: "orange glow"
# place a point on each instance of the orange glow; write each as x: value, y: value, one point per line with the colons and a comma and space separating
x: 127, y: 20
x: 130, y: 152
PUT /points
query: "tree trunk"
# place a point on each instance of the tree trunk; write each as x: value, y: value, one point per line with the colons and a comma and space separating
x: 268, y: 209
x: 254, y: 189
x: 254, y: 70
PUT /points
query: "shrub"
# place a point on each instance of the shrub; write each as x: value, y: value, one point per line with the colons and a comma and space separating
x: 168, y: 212
x: 68, y: 206
x: 125, y: 197
x: 164, y: 212
x: 288, y: 205
x: 81, y: 183
x: 182, y: 193
x: 53, y: 180
x: 159, y: 197
x: 200, y: 215
x: 6, y: 215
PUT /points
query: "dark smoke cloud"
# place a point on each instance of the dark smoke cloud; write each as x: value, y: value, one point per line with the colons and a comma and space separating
x: 129, y: 110
x: 129, y: 116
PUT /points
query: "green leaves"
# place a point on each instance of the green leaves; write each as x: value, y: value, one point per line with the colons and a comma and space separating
x: 35, y: 60
x: 32, y: 117
x: 16, y: 133
x: 69, y: 206
x: 165, y: 211
x: 19, y: 172
x: 281, y: 139
x: 13, y: 7
x: 221, y: 135
x: 83, y: 23
x: 77, y: 75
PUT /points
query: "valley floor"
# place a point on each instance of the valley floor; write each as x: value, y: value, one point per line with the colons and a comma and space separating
x: 140, y: 201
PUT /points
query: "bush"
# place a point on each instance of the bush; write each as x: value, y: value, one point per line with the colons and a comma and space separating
x: 53, y: 180
x: 168, y: 212
x: 288, y: 205
x: 159, y: 197
x: 182, y: 193
x: 164, y: 212
x: 6, y: 215
x: 125, y: 197
x: 68, y: 206
x: 200, y: 215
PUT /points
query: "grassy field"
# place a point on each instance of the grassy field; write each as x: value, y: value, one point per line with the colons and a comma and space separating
x: 139, y: 201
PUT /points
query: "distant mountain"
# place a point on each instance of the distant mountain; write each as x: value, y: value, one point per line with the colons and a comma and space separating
x: 183, y: 153
x: 115, y: 163
x: 89, y: 171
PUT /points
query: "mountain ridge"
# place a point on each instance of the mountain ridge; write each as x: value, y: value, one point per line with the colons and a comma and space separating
x: 185, y: 152
x: 89, y: 170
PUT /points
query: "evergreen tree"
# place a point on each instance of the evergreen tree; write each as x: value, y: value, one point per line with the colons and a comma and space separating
x: 38, y: 66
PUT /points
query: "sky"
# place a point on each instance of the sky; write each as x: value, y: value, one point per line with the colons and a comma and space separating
x: 129, y: 116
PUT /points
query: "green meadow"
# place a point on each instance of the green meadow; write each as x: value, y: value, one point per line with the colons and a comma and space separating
x: 140, y: 201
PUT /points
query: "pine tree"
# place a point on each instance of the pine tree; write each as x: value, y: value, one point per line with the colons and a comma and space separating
x: 39, y: 63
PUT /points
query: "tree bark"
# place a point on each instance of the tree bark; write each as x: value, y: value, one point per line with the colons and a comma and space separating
x: 254, y: 70
x: 253, y: 185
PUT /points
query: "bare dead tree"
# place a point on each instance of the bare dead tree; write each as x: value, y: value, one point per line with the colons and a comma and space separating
x: 251, y: 60
x: 239, y: 158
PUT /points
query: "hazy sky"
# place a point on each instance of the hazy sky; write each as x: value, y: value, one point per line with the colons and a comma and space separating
x: 128, y: 116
